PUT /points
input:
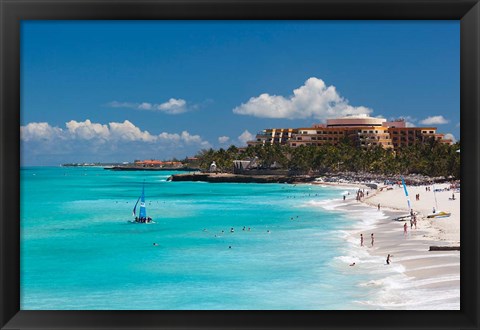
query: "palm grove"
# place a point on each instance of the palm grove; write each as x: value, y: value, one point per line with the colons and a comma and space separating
x: 431, y: 158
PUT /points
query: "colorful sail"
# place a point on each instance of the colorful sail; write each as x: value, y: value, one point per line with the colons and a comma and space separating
x: 406, y: 193
x: 143, y: 210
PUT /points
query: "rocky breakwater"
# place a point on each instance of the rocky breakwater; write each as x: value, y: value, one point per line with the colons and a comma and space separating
x: 239, y: 178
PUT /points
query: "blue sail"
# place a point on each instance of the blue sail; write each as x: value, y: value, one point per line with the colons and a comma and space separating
x: 406, y: 193
x: 143, y: 210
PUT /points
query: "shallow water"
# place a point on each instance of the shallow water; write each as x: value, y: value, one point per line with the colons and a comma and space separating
x: 78, y: 250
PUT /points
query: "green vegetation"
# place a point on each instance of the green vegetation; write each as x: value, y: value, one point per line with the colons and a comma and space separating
x: 431, y: 158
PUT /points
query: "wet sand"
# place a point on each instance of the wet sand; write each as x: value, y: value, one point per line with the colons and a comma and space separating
x: 423, y: 279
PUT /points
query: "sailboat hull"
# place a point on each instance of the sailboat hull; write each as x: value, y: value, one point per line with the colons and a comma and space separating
x: 439, y: 215
x: 141, y: 223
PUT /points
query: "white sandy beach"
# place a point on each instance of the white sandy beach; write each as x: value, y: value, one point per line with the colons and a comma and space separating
x: 416, y: 278
x: 444, y: 229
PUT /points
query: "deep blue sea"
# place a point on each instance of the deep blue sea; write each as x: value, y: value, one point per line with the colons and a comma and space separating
x: 79, y: 251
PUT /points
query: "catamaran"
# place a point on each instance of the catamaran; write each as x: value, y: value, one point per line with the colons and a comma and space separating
x: 142, y: 217
x: 435, y: 213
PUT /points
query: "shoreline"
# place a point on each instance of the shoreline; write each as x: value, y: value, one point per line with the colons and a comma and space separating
x: 416, y: 277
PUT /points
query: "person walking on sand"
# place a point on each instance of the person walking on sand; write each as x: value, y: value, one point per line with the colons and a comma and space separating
x: 411, y: 224
x: 415, y: 221
x: 378, y: 206
x: 405, y: 229
x: 373, y: 239
x: 361, y: 239
x: 388, y: 259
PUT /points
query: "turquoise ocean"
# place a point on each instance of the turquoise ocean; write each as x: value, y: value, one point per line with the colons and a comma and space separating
x: 79, y: 250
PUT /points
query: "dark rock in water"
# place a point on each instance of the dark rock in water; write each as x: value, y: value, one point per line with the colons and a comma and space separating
x: 238, y: 178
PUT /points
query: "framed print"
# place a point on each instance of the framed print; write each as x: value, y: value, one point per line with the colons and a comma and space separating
x: 236, y: 164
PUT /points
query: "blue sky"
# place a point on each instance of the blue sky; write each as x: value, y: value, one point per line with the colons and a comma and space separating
x: 124, y: 90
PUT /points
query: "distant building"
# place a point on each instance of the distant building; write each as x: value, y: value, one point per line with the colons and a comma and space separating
x: 157, y: 163
x: 365, y: 131
x: 274, y: 136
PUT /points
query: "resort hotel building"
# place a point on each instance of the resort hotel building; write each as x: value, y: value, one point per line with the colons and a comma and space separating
x: 365, y: 131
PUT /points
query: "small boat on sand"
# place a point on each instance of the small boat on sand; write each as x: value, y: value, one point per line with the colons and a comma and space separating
x: 440, y: 214
x: 405, y: 217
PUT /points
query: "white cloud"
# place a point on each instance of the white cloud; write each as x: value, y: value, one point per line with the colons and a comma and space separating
x: 246, y: 136
x: 434, y: 120
x: 458, y: 125
x: 127, y: 131
x: 39, y: 131
x: 223, y: 139
x: 81, y: 141
x: 172, y: 106
x: 450, y: 136
x: 116, y: 104
x: 313, y: 99
x: 111, y: 132
x: 409, y: 124
x: 184, y: 137
x: 144, y: 106
x: 87, y: 130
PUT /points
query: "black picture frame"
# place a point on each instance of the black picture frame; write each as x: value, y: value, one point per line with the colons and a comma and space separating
x: 13, y: 11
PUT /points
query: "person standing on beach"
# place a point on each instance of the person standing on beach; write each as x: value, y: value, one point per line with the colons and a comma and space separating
x: 405, y: 229
x: 388, y: 259
x: 378, y: 206
x: 415, y: 221
x: 373, y: 239
x: 411, y: 224
x: 361, y: 239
